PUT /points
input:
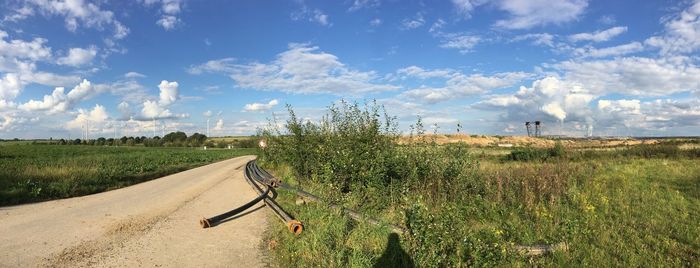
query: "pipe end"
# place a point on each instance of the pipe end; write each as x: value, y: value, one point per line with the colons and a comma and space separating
x: 204, y: 223
x: 295, y: 227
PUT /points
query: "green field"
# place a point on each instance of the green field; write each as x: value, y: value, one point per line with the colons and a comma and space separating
x: 629, y: 206
x: 31, y: 172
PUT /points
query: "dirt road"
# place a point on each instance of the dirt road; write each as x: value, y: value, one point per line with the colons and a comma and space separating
x: 154, y: 224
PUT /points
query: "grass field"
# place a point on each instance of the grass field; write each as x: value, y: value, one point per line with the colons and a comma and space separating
x: 636, y: 205
x: 41, y: 172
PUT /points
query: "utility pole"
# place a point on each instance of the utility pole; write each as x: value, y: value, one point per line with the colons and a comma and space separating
x: 207, y: 127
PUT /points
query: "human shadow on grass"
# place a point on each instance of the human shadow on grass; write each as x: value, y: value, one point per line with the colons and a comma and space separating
x: 394, y: 255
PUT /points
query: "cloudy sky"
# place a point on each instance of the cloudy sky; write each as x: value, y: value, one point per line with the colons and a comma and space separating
x: 601, y: 67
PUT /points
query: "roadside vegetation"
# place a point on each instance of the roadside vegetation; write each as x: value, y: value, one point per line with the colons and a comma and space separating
x: 35, y: 172
x: 627, y: 206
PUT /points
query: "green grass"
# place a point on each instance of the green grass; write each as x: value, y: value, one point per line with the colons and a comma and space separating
x: 621, y: 212
x: 631, y: 206
x: 31, y: 173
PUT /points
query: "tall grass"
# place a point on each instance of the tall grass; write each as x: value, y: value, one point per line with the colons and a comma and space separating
x: 465, y: 210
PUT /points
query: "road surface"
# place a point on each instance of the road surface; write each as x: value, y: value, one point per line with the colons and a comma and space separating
x: 153, y: 224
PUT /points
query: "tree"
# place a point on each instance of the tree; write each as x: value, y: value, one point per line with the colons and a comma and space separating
x: 175, y: 137
x: 196, y: 139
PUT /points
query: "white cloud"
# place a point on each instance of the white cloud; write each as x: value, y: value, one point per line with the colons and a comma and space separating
x: 33, y: 50
x: 219, y: 125
x: 159, y: 109
x: 255, y: 107
x: 598, y: 36
x: 635, y: 76
x: 224, y: 65
x: 360, y: 4
x: 95, y: 118
x: 169, y: 10
x: 465, y: 7
x: 168, y: 92
x: 681, y: 32
x: 58, y: 101
x: 78, y: 56
x: 375, y: 22
x: 301, y: 69
x: 619, y: 50
x: 133, y: 75
x: 152, y: 110
x: 10, y: 86
x: 545, y: 39
x: 525, y: 14
x: 418, y: 72
x: 412, y: 23
x: 456, y: 84
x: 437, y: 26
x: 168, y: 22
x: 208, y: 113
x: 76, y: 13
x: 462, y: 42
x: 312, y: 15
x: 549, y: 97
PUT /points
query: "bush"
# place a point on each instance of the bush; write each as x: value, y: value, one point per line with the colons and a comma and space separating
x: 653, y: 151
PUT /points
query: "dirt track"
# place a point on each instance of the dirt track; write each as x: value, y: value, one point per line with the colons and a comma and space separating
x: 154, y: 224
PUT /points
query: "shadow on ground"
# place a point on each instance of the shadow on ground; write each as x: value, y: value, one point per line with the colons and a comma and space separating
x: 394, y: 255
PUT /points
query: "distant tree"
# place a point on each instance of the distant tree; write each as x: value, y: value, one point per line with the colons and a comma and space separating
x: 77, y: 142
x: 101, y: 141
x: 123, y: 140
x: 175, y: 137
x: 196, y: 139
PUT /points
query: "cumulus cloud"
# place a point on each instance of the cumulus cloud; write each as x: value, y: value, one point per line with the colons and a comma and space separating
x: 76, y: 13
x: 525, y: 14
x: 159, y: 109
x: 10, y: 86
x: 78, y: 56
x: 598, y: 36
x: 168, y: 92
x: 636, y: 76
x: 254, y: 107
x: 549, y: 99
x: 681, y: 32
x: 19, y: 58
x: 59, y: 101
x: 168, y: 22
x: 169, y: 10
x: 455, y: 84
x: 301, y: 69
x: 96, y: 117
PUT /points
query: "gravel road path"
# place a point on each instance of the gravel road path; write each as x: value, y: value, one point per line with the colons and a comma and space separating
x: 153, y: 224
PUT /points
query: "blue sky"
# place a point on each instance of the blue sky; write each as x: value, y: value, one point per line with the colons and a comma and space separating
x: 582, y: 67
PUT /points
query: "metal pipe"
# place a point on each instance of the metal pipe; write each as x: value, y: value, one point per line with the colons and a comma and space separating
x: 351, y: 213
x: 252, y: 175
x: 209, y: 222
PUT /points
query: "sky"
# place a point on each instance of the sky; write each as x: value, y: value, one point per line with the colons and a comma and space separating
x: 145, y: 67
